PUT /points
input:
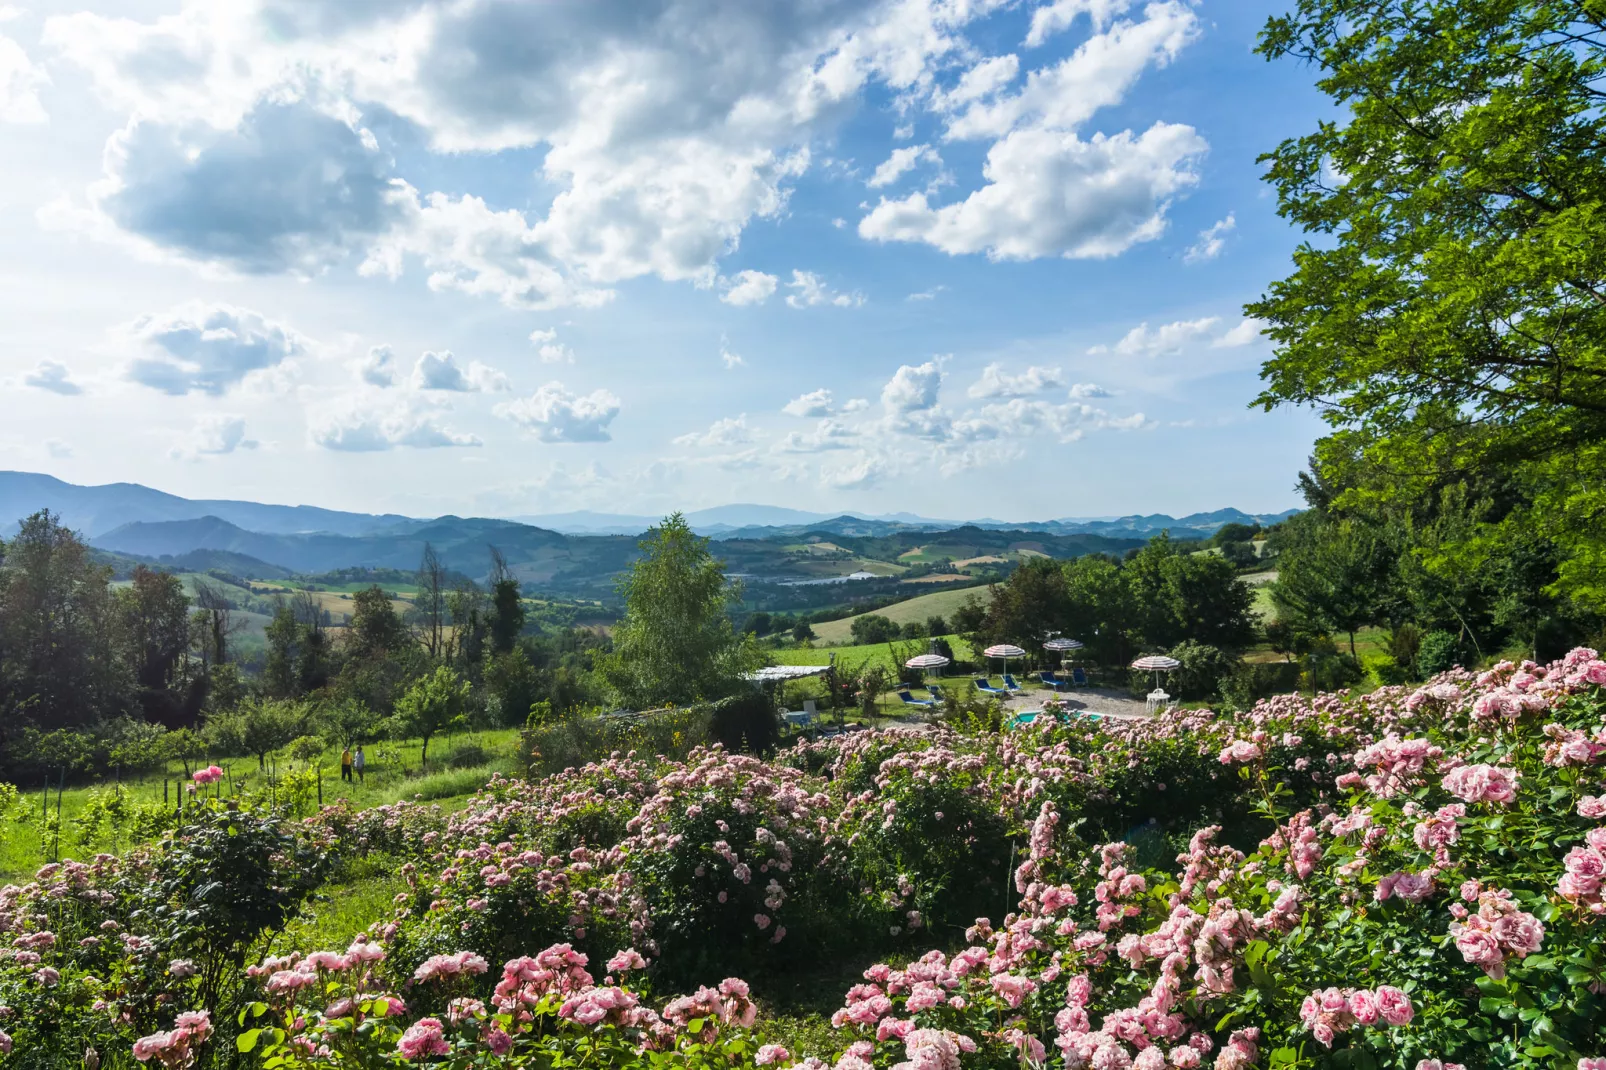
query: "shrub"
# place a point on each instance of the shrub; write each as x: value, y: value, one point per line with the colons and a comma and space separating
x: 578, y: 741
x: 1439, y: 651
x: 1384, y: 670
x: 1203, y: 668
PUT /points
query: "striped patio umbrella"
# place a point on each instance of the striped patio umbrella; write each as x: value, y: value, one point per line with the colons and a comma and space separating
x: 1157, y: 663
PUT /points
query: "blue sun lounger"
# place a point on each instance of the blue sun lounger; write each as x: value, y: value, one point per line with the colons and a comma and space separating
x: 984, y: 686
x: 1011, y: 685
x: 910, y: 700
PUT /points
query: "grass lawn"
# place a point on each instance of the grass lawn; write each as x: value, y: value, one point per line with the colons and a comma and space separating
x: 935, y: 604
x: 459, y: 766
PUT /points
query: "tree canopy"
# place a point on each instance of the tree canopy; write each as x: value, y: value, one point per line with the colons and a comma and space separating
x: 675, y: 642
x: 1448, y: 315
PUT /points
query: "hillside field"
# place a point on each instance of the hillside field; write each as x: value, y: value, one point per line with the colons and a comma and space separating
x: 849, y: 658
x: 936, y: 604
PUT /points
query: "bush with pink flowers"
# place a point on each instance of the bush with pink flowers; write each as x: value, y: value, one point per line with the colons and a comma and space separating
x: 1407, y: 879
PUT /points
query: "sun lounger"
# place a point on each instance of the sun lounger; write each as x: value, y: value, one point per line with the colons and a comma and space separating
x: 910, y: 700
x: 1011, y: 685
x: 936, y: 692
x: 986, y: 687
x: 1049, y: 679
x: 1078, y: 677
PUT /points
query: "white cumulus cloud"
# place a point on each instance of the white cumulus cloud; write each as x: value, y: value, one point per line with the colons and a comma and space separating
x: 20, y: 82
x: 1211, y: 241
x: 53, y: 376
x: 747, y: 288
x: 365, y: 425
x: 814, y: 403
x: 207, y: 348
x: 549, y: 349
x: 1050, y: 193
x: 901, y: 162
x: 378, y: 368
x: 996, y: 383
x: 213, y: 435
x: 810, y: 290
x: 554, y: 414
x: 441, y: 371
x: 1248, y: 332
x: 1164, y: 340
x: 732, y: 431
x: 912, y: 388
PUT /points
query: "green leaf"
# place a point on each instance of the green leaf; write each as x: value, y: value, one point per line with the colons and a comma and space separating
x: 247, y: 1040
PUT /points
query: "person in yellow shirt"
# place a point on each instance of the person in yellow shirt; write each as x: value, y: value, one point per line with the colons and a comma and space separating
x: 345, y: 764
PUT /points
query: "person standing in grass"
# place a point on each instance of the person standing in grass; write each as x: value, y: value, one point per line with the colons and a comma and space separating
x: 345, y: 764
x: 358, y: 762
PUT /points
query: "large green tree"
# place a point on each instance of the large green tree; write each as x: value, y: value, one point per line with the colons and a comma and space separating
x: 62, y: 660
x: 1031, y: 607
x: 1448, y: 316
x: 1334, y: 576
x: 1177, y: 594
x: 675, y: 642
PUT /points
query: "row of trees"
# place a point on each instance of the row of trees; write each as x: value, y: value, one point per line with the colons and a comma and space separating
x: 86, y: 662
x: 1449, y: 577
x: 1156, y: 598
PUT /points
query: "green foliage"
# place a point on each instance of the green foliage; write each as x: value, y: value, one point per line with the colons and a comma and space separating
x: 675, y: 643
x: 578, y: 740
x: 1204, y: 667
x: 64, y: 662
x: 433, y: 704
x: 1439, y: 651
x: 1447, y: 317
x: 1333, y: 576
x: 259, y: 727
x: 1179, y: 595
x: 873, y: 628
x: 746, y: 723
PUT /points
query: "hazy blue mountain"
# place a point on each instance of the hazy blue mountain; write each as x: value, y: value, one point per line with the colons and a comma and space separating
x: 139, y: 520
x: 95, y: 510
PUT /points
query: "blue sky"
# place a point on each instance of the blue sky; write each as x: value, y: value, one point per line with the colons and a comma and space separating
x: 954, y: 257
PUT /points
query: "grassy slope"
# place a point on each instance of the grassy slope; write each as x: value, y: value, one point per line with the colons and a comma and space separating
x: 936, y: 604
x: 850, y: 657
x: 393, y: 774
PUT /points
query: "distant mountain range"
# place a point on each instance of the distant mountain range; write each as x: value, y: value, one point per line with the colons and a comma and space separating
x: 96, y: 510
x: 575, y: 554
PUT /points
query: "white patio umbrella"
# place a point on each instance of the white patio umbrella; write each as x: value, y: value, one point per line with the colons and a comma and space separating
x: 926, y: 661
x: 1005, y: 651
x: 1158, y: 663
x: 1064, y: 646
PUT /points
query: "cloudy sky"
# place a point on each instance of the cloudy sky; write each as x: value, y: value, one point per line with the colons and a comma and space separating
x: 956, y: 257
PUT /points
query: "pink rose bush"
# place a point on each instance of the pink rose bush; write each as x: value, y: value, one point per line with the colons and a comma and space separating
x: 1406, y: 878
x: 545, y: 1009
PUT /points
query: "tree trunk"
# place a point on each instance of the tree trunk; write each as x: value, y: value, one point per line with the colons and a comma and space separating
x: 1352, y: 644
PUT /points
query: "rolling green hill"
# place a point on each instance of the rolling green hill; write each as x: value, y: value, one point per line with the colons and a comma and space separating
x: 936, y: 604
